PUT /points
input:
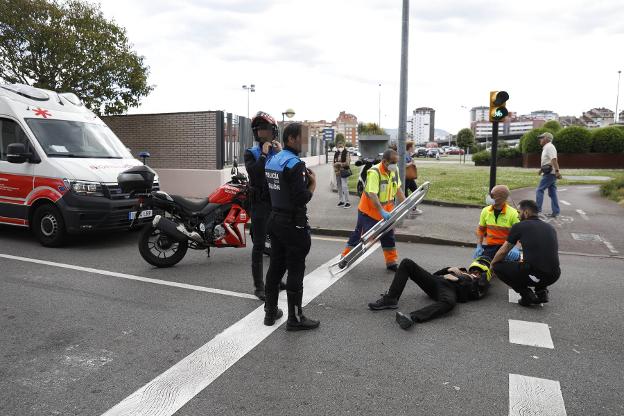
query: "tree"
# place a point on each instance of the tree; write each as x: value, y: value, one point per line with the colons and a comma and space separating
x: 348, y: 144
x: 71, y: 47
x: 340, y: 138
x: 465, y: 139
x: 370, y: 129
x: 553, y: 125
x: 573, y: 139
x: 529, y: 143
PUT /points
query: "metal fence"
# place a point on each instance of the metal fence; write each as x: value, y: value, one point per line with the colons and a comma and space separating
x: 234, y: 136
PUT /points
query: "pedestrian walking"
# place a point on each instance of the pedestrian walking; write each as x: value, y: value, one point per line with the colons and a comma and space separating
x: 447, y: 287
x: 342, y: 170
x: 540, y: 266
x: 265, y: 134
x: 291, y: 186
x: 550, y: 173
x: 383, y: 186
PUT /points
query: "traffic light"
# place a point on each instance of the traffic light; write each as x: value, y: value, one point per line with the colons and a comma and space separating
x: 498, y: 99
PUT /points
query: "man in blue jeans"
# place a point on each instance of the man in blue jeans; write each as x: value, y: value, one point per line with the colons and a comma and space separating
x: 550, y: 173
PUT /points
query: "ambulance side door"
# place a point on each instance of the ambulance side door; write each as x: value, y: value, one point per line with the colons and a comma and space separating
x: 16, y: 179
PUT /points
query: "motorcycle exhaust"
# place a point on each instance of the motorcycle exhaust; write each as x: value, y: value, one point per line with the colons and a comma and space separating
x: 175, y: 231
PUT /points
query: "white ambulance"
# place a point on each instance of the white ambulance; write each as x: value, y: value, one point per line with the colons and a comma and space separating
x: 58, y: 166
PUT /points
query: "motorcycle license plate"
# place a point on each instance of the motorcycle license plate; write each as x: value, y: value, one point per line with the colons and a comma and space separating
x: 144, y: 214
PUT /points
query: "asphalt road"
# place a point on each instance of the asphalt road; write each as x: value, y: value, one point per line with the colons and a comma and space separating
x: 77, y: 342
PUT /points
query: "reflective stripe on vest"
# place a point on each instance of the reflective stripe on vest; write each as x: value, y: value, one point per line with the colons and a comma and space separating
x: 384, y: 181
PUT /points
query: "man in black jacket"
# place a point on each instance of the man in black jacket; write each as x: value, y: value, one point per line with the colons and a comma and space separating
x: 265, y: 133
x: 447, y: 287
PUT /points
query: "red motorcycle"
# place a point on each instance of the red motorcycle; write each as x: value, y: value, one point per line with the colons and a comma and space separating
x: 217, y: 221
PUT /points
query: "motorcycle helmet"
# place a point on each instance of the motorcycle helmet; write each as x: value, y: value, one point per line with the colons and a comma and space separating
x: 482, y: 264
x: 263, y: 121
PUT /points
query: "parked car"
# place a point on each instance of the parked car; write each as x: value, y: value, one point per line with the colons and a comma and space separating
x: 433, y: 153
x: 455, y: 151
x: 421, y: 152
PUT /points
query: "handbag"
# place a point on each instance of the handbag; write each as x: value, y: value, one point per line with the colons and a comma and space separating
x: 345, y: 172
x: 411, y: 172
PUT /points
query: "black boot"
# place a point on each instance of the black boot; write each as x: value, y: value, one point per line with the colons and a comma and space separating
x: 296, y: 320
x: 256, y: 273
x: 527, y: 297
x: 542, y: 295
x: 271, y: 312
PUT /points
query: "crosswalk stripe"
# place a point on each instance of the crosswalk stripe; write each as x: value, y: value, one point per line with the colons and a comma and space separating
x: 533, y: 334
x: 514, y: 296
x: 530, y: 396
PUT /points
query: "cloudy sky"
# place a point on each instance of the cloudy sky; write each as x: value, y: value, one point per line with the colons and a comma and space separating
x: 320, y: 57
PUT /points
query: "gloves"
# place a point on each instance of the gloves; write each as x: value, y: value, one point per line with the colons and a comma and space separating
x: 385, y: 214
x: 513, y: 255
x: 478, y: 251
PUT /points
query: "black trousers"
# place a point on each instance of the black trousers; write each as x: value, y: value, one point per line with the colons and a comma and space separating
x: 436, y: 287
x: 520, y: 275
x: 289, y: 247
x: 259, y: 216
x: 410, y: 186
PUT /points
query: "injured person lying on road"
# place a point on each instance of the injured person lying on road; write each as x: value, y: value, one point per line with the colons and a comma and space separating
x: 446, y: 287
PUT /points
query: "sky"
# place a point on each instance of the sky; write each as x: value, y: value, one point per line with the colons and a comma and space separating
x: 321, y: 57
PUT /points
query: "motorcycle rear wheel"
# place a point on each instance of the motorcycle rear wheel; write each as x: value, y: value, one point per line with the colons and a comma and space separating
x: 160, y: 250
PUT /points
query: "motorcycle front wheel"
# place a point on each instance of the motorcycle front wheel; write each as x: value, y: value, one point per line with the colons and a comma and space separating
x: 159, y: 249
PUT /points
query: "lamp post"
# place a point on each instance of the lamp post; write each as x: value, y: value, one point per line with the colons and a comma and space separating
x: 250, y: 88
x: 290, y: 113
x: 617, y: 98
x: 379, y: 108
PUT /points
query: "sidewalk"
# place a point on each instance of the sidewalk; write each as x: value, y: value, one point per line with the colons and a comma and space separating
x: 436, y: 225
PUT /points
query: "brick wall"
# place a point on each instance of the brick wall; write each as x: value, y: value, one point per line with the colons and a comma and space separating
x: 174, y: 140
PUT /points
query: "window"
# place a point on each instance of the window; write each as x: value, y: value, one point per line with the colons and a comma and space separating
x: 10, y: 132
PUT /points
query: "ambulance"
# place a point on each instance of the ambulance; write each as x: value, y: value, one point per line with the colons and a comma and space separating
x: 58, y: 167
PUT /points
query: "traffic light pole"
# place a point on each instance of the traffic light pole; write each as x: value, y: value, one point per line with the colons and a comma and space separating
x: 494, y: 154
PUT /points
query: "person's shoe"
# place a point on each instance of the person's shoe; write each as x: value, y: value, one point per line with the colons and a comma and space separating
x: 404, y: 321
x: 340, y: 204
x: 270, y: 318
x: 553, y: 215
x: 282, y: 286
x: 347, y: 205
x: 259, y: 293
x: 542, y: 296
x: 301, y: 323
x: 384, y: 302
x: 392, y: 267
x: 527, y: 298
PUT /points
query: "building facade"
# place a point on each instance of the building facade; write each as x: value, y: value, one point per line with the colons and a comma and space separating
x: 545, y: 115
x: 598, y: 117
x: 423, y: 125
x: 479, y: 114
x: 347, y: 124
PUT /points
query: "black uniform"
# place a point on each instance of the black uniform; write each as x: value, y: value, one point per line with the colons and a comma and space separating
x: 540, y: 267
x: 446, y: 293
x: 288, y: 181
x: 255, y: 162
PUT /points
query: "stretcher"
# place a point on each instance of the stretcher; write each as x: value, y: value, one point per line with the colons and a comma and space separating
x: 368, y: 239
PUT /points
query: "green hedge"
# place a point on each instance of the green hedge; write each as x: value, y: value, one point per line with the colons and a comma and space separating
x: 481, y: 158
x: 614, y: 189
x: 484, y: 157
x: 608, y: 140
x: 529, y: 142
x: 573, y: 139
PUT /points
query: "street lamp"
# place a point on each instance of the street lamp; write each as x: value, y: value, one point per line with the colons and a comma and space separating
x: 617, y: 99
x: 290, y: 113
x: 250, y: 88
x: 379, y: 108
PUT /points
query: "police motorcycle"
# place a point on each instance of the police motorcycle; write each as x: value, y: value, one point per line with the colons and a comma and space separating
x: 216, y: 221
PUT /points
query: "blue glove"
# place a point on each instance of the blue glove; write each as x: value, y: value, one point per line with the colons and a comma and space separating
x: 513, y: 255
x: 385, y: 214
x: 478, y: 251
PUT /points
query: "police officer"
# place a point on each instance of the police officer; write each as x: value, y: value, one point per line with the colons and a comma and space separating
x: 291, y: 186
x: 265, y: 133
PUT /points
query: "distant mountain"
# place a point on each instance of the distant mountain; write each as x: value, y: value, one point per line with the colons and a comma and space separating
x: 440, y: 133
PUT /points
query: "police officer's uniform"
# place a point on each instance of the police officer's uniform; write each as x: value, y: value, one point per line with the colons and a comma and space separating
x: 289, y: 231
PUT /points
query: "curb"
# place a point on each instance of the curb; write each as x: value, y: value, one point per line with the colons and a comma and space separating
x: 402, y: 238
x: 436, y: 203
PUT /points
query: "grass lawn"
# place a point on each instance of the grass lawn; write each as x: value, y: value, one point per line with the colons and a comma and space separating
x: 468, y: 184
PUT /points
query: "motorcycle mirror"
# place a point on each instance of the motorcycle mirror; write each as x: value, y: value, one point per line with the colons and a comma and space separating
x: 358, y: 163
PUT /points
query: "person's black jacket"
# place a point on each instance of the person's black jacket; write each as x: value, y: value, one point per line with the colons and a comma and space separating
x: 257, y: 180
x: 466, y: 287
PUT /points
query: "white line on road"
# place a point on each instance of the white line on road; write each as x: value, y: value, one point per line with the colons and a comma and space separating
x: 609, y: 246
x: 131, y: 277
x: 563, y: 190
x: 565, y: 202
x: 582, y: 214
x: 167, y: 393
x: 533, y: 334
x: 530, y: 396
x: 514, y: 296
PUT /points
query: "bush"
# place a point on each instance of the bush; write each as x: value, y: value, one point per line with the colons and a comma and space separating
x: 509, y: 153
x: 608, y: 140
x: 614, y: 189
x: 573, y: 139
x: 481, y: 158
x: 529, y: 142
x: 553, y: 126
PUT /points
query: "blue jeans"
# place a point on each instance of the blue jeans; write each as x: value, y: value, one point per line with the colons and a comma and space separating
x: 548, y: 182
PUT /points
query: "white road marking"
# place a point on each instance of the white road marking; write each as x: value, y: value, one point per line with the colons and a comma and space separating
x: 582, y: 214
x: 514, y: 296
x: 338, y: 239
x: 610, y: 246
x: 131, y: 277
x: 533, y: 334
x: 563, y: 190
x: 565, y: 202
x: 530, y: 396
x: 167, y: 393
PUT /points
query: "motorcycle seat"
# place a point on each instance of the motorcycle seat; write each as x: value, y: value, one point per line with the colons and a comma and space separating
x: 202, y: 207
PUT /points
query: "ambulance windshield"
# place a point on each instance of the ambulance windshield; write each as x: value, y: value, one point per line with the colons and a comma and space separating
x: 63, y: 138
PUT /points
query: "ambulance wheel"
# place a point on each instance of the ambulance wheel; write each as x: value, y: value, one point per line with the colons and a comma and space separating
x: 49, y: 226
